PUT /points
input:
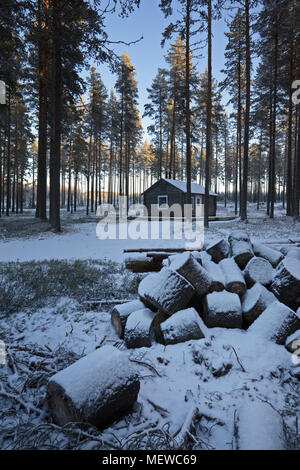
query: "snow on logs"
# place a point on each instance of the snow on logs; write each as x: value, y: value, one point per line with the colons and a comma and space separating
x: 120, y: 313
x: 258, y: 270
x: 184, y: 325
x: 141, y: 328
x: 292, y: 343
x: 166, y: 291
x: 213, y: 282
x: 241, y: 247
x: 286, y: 282
x: 97, y: 389
x: 188, y: 267
x: 262, y: 251
x: 254, y: 302
x: 234, y: 279
x: 219, y: 250
x: 216, y: 274
x: 276, y: 323
x: 259, y: 427
x: 222, y: 309
x: 140, y: 263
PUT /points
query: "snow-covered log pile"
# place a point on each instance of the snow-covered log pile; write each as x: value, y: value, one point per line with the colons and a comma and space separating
x: 231, y: 284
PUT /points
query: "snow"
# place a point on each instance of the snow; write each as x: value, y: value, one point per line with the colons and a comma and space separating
x: 223, y: 309
x: 96, y: 389
x: 263, y: 251
x: 220, y: 372
x: 293, y: 266
x: 260, y: 427
x: 186, y: 265
x: 216, y: 274
x: 94, y: 371
x: 258, y: 270
x: 233, y: 276
x: 167, y: 290
x: 192, y: 367
x: 79, y: 240
x: 218, y: 250
x: 184, y: 325
x: 255, y: 301
x: 276, y: 323
x: 182, y: 185
x: 138, y: 330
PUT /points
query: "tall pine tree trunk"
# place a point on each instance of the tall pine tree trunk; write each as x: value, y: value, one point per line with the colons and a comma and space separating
x: 208, y: 116
x: 247, y: 113
x: 41, y: 210
x: 56, y: 116
x: 187, y: 105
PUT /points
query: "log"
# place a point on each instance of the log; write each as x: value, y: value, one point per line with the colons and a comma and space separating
x: 258, y: 270
x: 254, y: 302
x: 165, y: 250
x: 276, y: 323
x: 262, y: 251
x: 241, y: 247
x: 204, y: 256
x: 97, y: 389
x: 140, y: 263
x: 259, y: 427
x: 217, y: 276
x: 294, y: 253
x: 120, y: 313
x: 222, y: 309
x: 139, y: 330
x: 166, y: 291
x: 233, y: 276
x: 184, y: 325
x: 218, y: 250
x: 292, y: 343
x: 158, y: 256
x: 286, y: 282
x: 188, y: 267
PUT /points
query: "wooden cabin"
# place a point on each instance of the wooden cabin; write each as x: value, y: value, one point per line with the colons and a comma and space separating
x: 166, y: 192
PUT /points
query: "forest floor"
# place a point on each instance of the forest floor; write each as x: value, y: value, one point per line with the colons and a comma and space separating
x: 46, y: 324
x: 23, y: 238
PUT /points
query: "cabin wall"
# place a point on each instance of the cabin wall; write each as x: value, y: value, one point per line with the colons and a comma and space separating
x: 175, y: 196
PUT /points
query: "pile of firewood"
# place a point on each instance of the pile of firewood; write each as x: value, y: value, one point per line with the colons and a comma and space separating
x: 233, y: 284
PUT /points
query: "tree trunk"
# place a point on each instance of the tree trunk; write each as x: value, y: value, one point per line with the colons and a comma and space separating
x: 208, y: 117
x: 187, y: 106
x: 247, y: 114
x: 41, y: 211
x: 56, y: 115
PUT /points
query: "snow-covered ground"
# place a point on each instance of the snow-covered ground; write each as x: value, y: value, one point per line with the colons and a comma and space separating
x: 217, y: 374
x: 80, y: 240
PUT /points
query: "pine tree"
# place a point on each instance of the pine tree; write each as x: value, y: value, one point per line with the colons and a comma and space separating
x: 156, y: 108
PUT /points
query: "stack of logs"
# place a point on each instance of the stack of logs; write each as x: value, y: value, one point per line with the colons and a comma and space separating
x: 233, y: 284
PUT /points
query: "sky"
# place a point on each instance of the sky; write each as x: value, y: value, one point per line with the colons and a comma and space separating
x: 148, y: 55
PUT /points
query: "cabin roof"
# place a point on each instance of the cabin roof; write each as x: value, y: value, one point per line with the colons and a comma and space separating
x: 182, y: 186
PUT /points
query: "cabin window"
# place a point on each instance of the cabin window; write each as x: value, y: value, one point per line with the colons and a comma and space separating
x: 193, y: 203
x: 198, y: 201
x: 162, y: 202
